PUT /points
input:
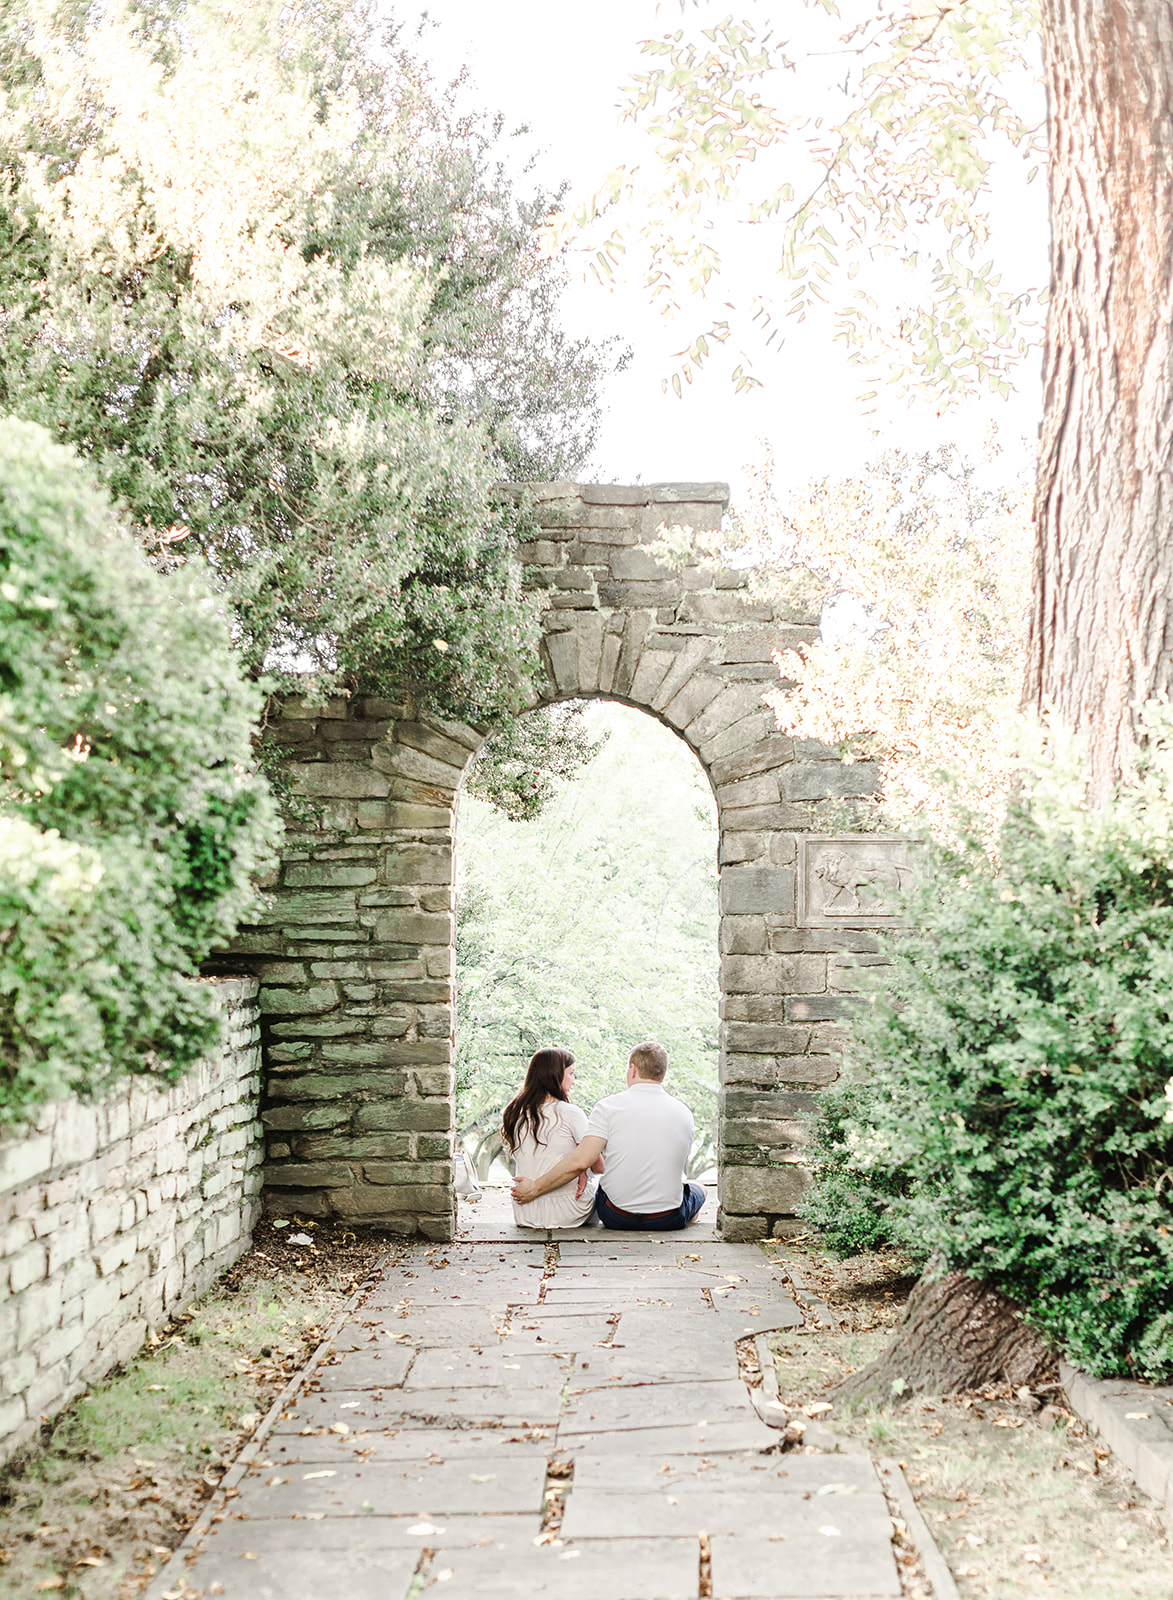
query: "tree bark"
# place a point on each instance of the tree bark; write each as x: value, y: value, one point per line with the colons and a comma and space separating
x: 956, y: 1334
x: 1101, y: 627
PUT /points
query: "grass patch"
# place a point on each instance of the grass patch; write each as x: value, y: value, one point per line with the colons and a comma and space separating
x: 100, y: 1501
x: 1022, y: 1501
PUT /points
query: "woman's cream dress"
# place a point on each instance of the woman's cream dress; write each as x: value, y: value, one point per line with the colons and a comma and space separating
x: 562, y: 1126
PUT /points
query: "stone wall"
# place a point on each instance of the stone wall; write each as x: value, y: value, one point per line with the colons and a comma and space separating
x: 114, y: 1215
x: 356, y: 950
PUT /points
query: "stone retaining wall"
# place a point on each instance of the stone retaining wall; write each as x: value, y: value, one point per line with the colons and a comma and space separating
x: 356, y: 952
x: 114, y: 1215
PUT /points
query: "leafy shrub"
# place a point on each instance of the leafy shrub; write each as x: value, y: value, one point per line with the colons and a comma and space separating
x: 131, y: 820
x: 854, y: 1204
x: 1013, y: 1109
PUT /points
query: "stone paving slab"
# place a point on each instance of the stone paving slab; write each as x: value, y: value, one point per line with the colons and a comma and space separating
x: 311, y: 1574
x: 588, y: 1569
x: 655, y: 1406
x: 391, y: 1408
x: 625, y: 1365
x: 558, y: 1330
x: 403, y: 1444
x: 755, y: 1318
x: 667, y: 1289
x: 446, y: 1369
x: 383, y: 1369
x: 675, y: 1511
x: 663, y: 1249
x: 503, y: 1291
x: 340, y: 1535
x: 438, y: 1325
x: 842, y: 1564
x: 712, y: 1439
x: 435, y: 1488
x: 826, y: 1477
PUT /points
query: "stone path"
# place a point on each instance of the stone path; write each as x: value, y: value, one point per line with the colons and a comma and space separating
x: 558, y: 1417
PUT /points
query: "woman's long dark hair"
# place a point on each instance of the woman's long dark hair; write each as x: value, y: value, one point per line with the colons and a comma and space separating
x: 543, y: 1081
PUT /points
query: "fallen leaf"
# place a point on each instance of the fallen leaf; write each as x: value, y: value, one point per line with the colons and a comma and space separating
x: 340, y: 1427
x: 50, y: 1583
x: 1136, y: 1416
x: 249, y: 1555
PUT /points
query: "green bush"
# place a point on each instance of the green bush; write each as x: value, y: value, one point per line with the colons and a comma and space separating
x: 1012, y: 1105
x: 855, y: 1202
x: 131, y: 819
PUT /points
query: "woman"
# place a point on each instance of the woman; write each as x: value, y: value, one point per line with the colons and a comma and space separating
x: 540, y: 1126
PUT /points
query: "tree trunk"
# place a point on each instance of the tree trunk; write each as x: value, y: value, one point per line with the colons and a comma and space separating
x: 1101, y: 630
x: 957, y: 1334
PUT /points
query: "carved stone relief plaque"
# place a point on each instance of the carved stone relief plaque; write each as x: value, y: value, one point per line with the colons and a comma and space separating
x: 855, y: 880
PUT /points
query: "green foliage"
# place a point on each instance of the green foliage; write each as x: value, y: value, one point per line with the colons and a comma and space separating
x: 314, y: 382
x: 1017, y: 1112
x: 852, y: 1204
x: 517, y: 768
x: 594, y: 926
x: 131, y: 820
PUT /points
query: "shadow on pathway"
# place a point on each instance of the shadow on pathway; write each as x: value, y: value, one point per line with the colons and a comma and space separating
x: 513, y: 1415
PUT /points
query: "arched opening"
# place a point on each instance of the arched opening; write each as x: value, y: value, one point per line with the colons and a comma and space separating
x: 593, y: 925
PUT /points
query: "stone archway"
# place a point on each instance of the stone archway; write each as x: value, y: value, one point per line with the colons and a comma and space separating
x: 356, y: 951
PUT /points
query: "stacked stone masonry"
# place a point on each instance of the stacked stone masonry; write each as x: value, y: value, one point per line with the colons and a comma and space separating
x: 356, y: 950
x: 114, y: 1215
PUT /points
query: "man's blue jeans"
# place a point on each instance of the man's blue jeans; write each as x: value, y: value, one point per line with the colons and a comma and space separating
x: 691, y: 1202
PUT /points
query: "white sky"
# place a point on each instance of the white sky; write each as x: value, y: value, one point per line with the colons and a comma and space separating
x: 559, y: 68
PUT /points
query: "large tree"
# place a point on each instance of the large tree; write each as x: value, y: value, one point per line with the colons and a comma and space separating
x: 1101, y: 636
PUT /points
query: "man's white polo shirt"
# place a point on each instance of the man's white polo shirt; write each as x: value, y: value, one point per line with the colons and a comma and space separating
x: 649, y: 1136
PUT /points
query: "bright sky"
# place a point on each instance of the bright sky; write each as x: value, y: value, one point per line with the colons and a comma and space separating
x: 559, y: 68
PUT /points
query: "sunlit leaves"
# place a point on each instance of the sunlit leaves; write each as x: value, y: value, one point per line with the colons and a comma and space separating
x: 931, y: 571
x: 865, y: 137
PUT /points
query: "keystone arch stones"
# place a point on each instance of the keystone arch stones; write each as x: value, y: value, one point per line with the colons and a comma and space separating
x: 356, y: 949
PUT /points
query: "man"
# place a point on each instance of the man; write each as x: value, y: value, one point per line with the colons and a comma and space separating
x: 647, y: 1136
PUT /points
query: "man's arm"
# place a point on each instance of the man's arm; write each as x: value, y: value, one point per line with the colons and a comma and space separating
x: 579, y: 1160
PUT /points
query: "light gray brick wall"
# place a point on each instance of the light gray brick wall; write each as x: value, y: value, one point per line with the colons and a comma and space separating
x: 114, y: 1215
x: 356, y: 950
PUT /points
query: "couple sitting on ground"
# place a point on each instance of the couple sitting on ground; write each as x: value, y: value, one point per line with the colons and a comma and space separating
x: 557, y: 1150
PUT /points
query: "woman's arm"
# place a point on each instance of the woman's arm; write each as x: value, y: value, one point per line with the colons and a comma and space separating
x: 589, y: 1151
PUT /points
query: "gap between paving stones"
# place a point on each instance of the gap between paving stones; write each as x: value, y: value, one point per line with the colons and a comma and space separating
x: 515, y: 1417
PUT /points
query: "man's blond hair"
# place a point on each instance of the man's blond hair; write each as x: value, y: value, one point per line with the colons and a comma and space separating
x: 650, y: 1060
